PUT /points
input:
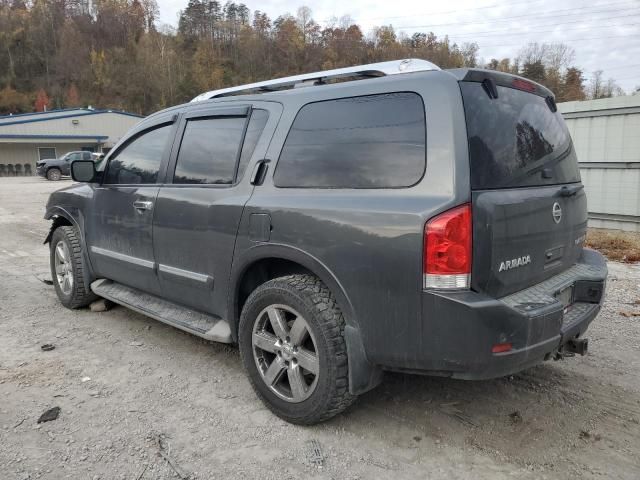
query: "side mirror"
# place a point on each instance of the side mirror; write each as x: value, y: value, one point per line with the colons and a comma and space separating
x: 83, y: 171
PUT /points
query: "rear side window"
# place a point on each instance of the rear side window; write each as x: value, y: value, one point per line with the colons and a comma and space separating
x: 209, y: 150
x: 256, y: 125
x: 139, y: 161
x: 373, y: 141
x: 516, y: 140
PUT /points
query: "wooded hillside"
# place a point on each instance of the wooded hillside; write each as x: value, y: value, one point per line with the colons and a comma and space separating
x: 113, y: 54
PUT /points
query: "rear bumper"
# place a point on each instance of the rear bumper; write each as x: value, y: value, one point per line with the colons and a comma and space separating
x: 461, y: 328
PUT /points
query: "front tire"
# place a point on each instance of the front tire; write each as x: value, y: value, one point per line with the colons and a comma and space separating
x: 54, y: 174
x: 293, y: 348
x: 68, y: 267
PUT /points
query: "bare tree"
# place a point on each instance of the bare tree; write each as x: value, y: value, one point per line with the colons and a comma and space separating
x: 558, y: 56
x: 599, y: 88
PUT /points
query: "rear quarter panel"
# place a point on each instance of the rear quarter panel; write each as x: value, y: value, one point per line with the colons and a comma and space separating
x: 370, y: 240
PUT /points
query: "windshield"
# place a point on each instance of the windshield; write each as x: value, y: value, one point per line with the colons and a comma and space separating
x: 516, y: 140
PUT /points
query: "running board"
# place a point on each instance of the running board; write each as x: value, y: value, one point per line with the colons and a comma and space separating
x: 197, y: 323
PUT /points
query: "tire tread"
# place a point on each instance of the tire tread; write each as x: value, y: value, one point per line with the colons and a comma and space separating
x: 81, y: 294
x: 332, y: 324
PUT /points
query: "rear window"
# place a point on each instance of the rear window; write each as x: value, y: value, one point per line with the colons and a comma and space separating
x: 209, y: 150
x: 516, y: 140
x: 374, y: 141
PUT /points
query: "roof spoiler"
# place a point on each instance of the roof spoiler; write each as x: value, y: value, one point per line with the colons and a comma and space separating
x: 502, y: 79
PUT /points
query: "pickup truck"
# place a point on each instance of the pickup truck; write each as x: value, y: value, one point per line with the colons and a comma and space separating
x: 54, y: 168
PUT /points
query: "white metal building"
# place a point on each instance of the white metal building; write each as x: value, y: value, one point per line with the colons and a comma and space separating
x: 606, y: 135
x: 26, y: 138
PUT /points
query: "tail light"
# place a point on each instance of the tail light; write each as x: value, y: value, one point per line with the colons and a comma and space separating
x: 521, y: 84
x: 501, y: 348
x: 447, y: 250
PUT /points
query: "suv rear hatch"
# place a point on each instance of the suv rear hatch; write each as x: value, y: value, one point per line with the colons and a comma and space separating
x: 529, y: 207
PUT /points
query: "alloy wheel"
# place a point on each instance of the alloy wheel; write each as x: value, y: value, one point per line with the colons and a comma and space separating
x: 285, y: 353
x: 63, y: 267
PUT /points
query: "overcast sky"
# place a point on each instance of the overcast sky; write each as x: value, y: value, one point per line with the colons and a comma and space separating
x: 605, y: 34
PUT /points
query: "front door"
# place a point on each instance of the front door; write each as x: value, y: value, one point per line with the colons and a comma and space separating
x: 119, y: 230
x: 65, y: 167
x: 198, y: 210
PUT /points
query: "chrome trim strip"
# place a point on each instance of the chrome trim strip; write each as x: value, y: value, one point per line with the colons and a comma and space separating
x: 124, y: 258
x: 198, y: 277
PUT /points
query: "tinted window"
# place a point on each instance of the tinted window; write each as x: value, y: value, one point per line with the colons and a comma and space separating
x: 516, y: 140
x: 373, y: 141
x: 86, y: 155
x: 256, y: 124
x: 209, y: 150
x: 139, y: 161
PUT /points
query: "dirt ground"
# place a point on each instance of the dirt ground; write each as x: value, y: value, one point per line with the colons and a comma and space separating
x: 134, y: 393
x: 615, y: 244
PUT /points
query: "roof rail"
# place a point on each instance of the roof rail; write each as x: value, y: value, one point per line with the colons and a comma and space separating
x: 380, y: 69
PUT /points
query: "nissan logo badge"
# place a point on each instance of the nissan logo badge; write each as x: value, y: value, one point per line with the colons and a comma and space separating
x: 556, y: 211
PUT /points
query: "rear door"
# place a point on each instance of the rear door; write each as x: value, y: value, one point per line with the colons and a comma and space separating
x: 199, y: 208
x: 529, y: 207
x: 119, y: 231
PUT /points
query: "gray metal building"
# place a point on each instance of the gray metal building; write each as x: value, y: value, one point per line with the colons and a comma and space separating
x: 26, y: 138
x: 606, y: 135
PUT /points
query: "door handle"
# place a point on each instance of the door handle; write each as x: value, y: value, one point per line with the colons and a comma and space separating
x: 142, y: 205
x: 260, y: 171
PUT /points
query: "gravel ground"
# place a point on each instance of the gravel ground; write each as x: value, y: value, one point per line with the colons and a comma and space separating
x: 141, y: 400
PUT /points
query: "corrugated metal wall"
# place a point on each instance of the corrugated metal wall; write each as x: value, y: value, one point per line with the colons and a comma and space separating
x: 112, y: 125
x: 24, y: 154
x: 64, y: 130
x: 606, y: 135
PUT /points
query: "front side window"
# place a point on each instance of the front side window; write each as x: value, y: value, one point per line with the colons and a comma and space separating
x: 209, y: 150
x: 139, y: 161
x: 374, y: 141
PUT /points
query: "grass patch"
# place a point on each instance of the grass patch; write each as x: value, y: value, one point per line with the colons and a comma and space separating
x: 615, y: 244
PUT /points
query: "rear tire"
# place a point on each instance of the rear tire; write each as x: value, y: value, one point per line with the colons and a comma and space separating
x: 54, y: 174
x: 68, y: 267
x: 298, y: 369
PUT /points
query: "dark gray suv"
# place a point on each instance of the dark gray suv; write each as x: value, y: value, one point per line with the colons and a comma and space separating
x: 335, y: 225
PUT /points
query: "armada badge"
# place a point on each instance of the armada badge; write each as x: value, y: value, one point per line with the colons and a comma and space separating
x: 515, y: 263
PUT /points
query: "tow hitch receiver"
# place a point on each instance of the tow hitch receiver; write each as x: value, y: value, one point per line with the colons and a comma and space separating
x: 569, y: 349
x: 577, y: 345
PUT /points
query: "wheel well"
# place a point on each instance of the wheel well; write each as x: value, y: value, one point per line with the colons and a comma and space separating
x: 262, y: 271
x: 58, y: 221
